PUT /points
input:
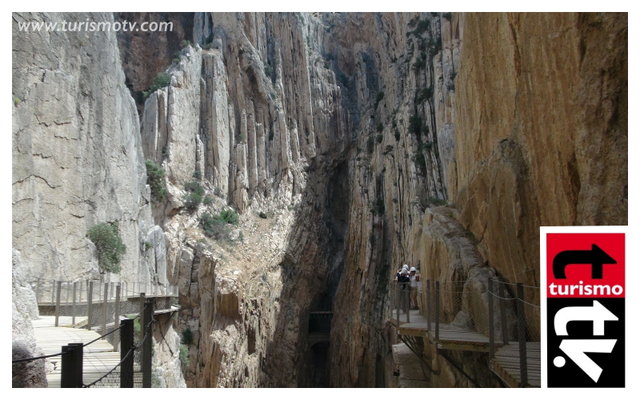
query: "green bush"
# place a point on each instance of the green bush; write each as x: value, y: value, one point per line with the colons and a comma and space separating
x: 438, y: 202
x: 184, y: 356
x: 193, y: 197
x: 155, y: 179
x: 109, y: 246
x: 262, y: 215
x: 421, y: 62
x: 424, y: 94
x: 415, y: 124
x: 230, y: 217
x: 422, y: 27
x: 343, y: 79
x: 214, y: 227
x: 208, y: 200
x: 370, y: 144
x: 217, y: 226
x: 379, y: 138
x: 161, y: 80
x: 187, y: 337
x: 380, y: 128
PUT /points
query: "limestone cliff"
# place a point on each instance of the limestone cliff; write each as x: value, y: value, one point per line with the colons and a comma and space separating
x: 375, y: 118
x: 77, y: 158
x: 349, y: 144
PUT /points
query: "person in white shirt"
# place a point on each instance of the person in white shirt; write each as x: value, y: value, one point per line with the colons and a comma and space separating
x: 414, y: 278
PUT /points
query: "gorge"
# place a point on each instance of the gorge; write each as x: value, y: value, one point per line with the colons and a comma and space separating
x: 346, y: 144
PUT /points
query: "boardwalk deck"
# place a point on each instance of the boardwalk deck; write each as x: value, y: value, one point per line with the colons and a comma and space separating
x: 414, y: 317
x: 455, y: 338
x: 506, y: 364
x: 450, y: 337
x: 99, y: 357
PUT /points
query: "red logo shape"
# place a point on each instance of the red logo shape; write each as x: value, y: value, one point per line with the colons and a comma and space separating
x: 585, y: 265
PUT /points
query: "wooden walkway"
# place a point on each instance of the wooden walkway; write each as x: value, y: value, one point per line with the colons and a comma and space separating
x: 450, y: 337
x: 506, y: 364
x: 99, y: 357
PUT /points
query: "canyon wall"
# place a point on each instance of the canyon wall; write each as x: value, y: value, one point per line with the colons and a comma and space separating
x: 77, y: 159
x: 349, y: 144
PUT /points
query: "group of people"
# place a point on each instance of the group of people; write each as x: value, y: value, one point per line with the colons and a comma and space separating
x: 409, y: 278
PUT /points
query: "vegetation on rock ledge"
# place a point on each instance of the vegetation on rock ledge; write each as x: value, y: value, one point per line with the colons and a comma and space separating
x: 109, y: 246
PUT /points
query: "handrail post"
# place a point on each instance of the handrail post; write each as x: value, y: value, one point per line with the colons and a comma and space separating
x: 143, y: 300
x: 38, y: 292
x: 59, y: 286
x: 398, y: 304
x: 116, y: 320
x: 428, y: 304
x: 126, y: 368
x: 147, y: 346
x: 53, y: 292
x: 73, y: 309
x: 503, y: 314
x: 71, y: 366
x: 490, y: 301
x: 408, y: 302
x: 522, y: 336
x: 437, y: 310
x: 89, y: 304
x: 104, y: 308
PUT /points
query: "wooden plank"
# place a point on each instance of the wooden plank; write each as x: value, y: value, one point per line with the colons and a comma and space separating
x: 99, y: 357
x: 506, y: 364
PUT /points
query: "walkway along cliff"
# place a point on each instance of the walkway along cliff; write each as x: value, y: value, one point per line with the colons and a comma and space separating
x: 286, y: 164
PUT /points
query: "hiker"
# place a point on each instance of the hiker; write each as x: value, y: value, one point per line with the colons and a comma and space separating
x: 414, y: 278
x: 403, y: 278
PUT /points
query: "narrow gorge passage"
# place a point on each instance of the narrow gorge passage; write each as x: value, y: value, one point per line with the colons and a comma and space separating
x: 278, y: 169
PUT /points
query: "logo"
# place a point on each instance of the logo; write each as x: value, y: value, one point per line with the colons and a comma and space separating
x: 585, y: 309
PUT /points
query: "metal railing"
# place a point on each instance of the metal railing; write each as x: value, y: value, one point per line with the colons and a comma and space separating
x: 126, y: 374
x: 444, y: 303
x: 401, y: 301
x: 93, y: 303
x: 525, y: 307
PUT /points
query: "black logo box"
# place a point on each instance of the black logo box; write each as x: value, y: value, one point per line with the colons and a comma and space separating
x: 612, y: 364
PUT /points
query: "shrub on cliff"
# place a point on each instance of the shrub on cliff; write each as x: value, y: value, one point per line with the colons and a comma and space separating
x: 193, y: 197
x: 216, y: 226
x: 109, y: 246
x: 161, y: 80
x: 184, y: 356
x: 155, y: 179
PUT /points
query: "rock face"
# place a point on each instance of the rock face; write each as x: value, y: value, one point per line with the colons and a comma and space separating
x: 553, y: 151
x: 339, y: 138
x: 24, y: 309
x: 77, y: 158
x: 144, y: 54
